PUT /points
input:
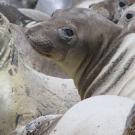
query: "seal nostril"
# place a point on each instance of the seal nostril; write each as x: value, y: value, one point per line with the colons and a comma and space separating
x: 129, y: 16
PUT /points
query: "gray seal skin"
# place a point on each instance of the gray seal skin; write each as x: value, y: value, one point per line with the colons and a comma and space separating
x: 101, y: 61
x: 111, y: 9
x: 24, y: 92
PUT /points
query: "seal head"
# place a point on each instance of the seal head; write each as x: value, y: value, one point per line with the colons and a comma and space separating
x: 77, y: 40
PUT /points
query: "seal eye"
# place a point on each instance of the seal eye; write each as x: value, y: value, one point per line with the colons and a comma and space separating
x: 129, y: 16
x: 66, y: 33
x: 122, y: 4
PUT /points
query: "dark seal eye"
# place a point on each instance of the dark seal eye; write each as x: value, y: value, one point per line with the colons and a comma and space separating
x: 122, y: 4
x: 129, y: 16
x: 66, y: 33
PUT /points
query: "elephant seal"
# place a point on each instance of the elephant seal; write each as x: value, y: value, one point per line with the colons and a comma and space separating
x: 111, y: 9
x: 99, y: 115
x: 101, y: 61
x: 25, y: 93
x: 127, y: 16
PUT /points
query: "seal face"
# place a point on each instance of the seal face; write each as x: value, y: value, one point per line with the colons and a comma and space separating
x: 55, y: 39
x: 79, y: 38
x: 111, y: 9
x: 65, y: 36
x: 127, y: 16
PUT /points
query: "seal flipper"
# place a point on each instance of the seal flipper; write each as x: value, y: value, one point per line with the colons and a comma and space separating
x: 14, y: 15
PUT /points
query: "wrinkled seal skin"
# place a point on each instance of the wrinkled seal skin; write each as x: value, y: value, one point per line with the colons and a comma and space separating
x: 99, y: 60
x: 24, y: 93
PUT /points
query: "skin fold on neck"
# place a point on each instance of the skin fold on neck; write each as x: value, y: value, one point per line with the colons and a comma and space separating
x: 92, y: 65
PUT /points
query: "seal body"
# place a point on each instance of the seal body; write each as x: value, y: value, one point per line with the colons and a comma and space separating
x: 100, y: 62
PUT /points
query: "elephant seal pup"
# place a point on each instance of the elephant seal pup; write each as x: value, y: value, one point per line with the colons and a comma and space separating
x: 25, y: 93
x: 127, y: 16
x: 111, y: 9
x: 99, y: 115
x: 101, y: 61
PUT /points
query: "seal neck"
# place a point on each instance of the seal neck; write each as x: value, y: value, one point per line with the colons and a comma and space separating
x: 92, y: 65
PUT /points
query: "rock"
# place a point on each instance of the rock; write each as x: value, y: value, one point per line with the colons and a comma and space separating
x: 101, y: 115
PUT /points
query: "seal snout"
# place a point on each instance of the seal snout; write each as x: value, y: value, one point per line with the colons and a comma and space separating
x: 39, y: 42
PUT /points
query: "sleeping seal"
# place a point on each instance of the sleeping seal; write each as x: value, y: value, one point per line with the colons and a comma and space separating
x: 101, y: 61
